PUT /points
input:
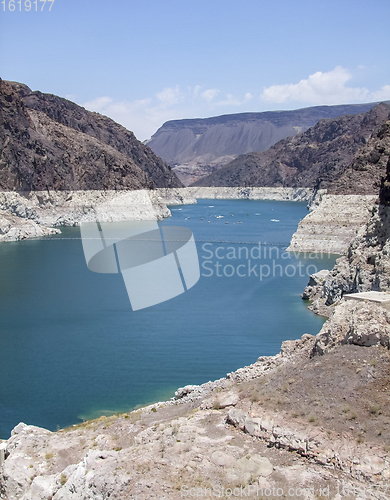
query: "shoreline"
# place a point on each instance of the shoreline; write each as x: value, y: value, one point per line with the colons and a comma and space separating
x: 332, y: 221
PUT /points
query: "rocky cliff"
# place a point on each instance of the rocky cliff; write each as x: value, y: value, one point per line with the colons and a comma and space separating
x: 365, y: 267
x: 317, y: 158
x: 197, y: 147
x: 330, y: 227
x: 49, y: 143
x: 35, y: 214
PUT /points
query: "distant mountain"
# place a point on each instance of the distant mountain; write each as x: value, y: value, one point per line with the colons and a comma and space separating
x: 198, y: 147
x: 322, y: 157
x: 47, y: 142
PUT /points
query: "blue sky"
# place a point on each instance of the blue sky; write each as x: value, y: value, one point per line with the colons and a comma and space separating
x: 143, y: 63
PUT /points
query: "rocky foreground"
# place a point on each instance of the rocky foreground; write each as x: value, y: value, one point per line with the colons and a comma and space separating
x: 312, y: 420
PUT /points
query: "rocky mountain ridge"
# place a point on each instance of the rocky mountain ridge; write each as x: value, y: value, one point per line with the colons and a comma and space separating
x: 47, y: 142
x: 316, y: 158
x: 197, y: 147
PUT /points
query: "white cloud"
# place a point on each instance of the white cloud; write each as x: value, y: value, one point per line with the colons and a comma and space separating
x: 209, y: 94
x: 233, y: 101
x: 320, y: 88
x: 98, y: 104
x: 169, y: 96
x: 71, y: 97
x: 382, y: 95
x: 145, y: 116
x: 195, y: 91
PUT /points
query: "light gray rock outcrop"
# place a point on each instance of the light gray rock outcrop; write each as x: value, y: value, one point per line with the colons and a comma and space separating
x: 252, y: 193
x: 330, y: 227
x: 35, y: 213
x: 359, y: 323
x: 365, y: 267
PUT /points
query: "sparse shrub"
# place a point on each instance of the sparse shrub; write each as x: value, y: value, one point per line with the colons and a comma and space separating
x: 63, y: 479
x: 346, y: 409
x: 154, y: 410
x: 134, y: 416
x: 313, y: 419
x: 375, y: 409
x: 373, y: 362
x: 254, y: 396
x: 48, y: 456
x: 216, y: 404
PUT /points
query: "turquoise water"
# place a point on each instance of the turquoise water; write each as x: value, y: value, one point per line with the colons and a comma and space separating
x: 72, y: 348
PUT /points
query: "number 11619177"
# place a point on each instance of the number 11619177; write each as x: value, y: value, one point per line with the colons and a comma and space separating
x: 27, y: 5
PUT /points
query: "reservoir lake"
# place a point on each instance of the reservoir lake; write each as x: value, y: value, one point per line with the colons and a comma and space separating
x: 72, y: 348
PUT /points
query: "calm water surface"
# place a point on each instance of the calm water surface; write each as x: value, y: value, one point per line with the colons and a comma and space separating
x: 72, y: 348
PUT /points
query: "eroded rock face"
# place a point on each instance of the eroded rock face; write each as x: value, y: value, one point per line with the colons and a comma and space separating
x: 366, y: 266
x: 33, y: 214
x: 330, y: 227
x: 47, y: 142
x: 360, y: 323
x: 315, y: 284
x: 14, y: 228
